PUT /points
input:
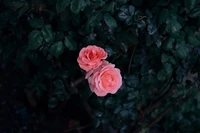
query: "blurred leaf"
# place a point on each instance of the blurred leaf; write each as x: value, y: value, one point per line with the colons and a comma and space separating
x: 173, y: 26
x: 35, y: 39
x: 124, y: 114
x: 70, y: 43
x: 95, y: 123
x: 110, y: 102
x: 193, y: 40
x: 24, y: 9
x: 194, y: 12
x: 56, y: 49
x: 132, y: 80
x: 168, y: 69
x: 162, y: 3
x: 149, y: 40
x: 151, y: 29
x: 52, y: 103
x: 95, y: 19
x: 61, y: 5
x: 77, y: 6
x: 164, y: 58
x: 59, y: 36
x: 16, y: 5
x: 163, y: 16
x: 168, y: 44
x: 48, y: 34
x: 183, y: 52
x: 36, y: 22
x: 190, y: 4
x: 110, y: 21
x: 161, y: 75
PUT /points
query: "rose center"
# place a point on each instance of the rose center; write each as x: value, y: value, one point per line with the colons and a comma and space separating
x: 92, y: 55
x: 107, y: 80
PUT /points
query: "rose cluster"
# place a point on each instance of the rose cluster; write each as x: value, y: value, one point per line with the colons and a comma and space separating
x: 103, y: 77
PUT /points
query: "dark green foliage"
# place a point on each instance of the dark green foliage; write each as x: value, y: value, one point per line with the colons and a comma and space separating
x: 155, y: 44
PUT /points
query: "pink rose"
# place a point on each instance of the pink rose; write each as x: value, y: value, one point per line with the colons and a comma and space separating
x: 106, y: 80
x: 91, y: 57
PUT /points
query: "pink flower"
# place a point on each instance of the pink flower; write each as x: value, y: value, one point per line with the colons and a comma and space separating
x: 91, y: 57
x: 106, y: 79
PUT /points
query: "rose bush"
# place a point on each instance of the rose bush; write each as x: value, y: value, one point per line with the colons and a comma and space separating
x: 154, y: 44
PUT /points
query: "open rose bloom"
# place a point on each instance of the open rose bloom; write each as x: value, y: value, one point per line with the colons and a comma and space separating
x: 91, y: 57
x: 107, y: 80
x: 103, y: 77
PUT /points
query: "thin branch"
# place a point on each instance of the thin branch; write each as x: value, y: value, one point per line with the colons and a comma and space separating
x: 160, y: 116
x: 116, y: 57
x: 30, y: 98
x: 72, y: 88
x: 129, y: 66
x: 158, y: 102
x: 77, y: 129
x: 78, y: 81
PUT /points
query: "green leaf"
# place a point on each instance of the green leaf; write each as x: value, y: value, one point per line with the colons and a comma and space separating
x: 173, y: 26
x: 16, y: 5
x: 96, y: 123
x: 183, y: 51
x: 168, y: 69
x: 110, y: 21
x: 163, y: 16
x: 77, y: 6
x: 59, y: 36
x: 110, y: 102
x: 52, y: 103
x: 35, y: 39
x: 70, y: 43
x: 132, y: 80
x: 48, y: 33
x: 193, y: 40
x: 23, y: 10
x: 194, y: 12
x: 124, y: 114
x: 168, y: 44
x: 36, y: 22
x: 61, y: 5
x: 131, y: 10
x: 149, y: 40
x: 161, y: 75
x: 164, y: 58
x: 56, y: 49
x: 190, y: 4
x: 158, y: 39
x: 151, y: 28
x: 162, y: 3
x: 95, y: 19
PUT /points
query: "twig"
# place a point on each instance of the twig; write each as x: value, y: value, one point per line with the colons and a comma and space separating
x: 116, y: 57
x: 160, y: 116
x: 87, y: 107
x: 50, y: 88
x: 72, y: 88
x: 30, y: 98
x: 157, y: 103
x: 129, y: 66
x: 78, y: 81
x: 78, y: 128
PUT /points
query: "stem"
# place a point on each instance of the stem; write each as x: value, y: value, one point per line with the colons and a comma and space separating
x: 78, y: 81
x: 116, y: 57
x: 30, y: 98
x: 78, y: 128
x: 129, y: 66
x: 160, y: 116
